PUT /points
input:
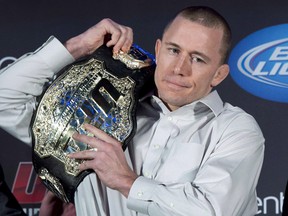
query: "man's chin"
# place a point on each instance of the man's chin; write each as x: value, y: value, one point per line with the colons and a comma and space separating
x: 171, y: 102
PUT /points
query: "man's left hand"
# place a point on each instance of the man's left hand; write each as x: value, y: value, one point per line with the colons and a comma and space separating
x: 106, y: 158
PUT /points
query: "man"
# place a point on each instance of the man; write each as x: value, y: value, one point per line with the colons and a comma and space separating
x: 192, y: 154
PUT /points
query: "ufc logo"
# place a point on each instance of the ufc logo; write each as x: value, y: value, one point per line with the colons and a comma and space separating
x: 27, y: 187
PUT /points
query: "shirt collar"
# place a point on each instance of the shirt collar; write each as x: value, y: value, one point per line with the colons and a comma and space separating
x: 214, y: 102
x: 211, y: 101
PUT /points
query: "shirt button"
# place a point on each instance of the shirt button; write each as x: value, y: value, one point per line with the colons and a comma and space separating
x: 170, y: 118
x: 140, y: 194
x: 156, y: 146
x: 147, y: 175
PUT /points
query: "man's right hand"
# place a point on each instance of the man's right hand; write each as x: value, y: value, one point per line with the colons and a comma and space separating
x: 87, y: 42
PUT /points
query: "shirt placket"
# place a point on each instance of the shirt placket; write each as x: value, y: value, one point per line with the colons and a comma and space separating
x: 157, y: 146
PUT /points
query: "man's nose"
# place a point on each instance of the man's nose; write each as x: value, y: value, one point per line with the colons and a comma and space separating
x: 181, y: 66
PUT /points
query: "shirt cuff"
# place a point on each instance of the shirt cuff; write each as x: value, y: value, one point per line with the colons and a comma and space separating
x: 54, y: 54
x: 141, y: 193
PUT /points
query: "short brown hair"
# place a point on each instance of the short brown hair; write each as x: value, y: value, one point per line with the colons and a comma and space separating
x: 208, y: 17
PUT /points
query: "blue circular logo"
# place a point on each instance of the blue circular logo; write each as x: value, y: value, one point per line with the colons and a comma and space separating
x: 259, y: 63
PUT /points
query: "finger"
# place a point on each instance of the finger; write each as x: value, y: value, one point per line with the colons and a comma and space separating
x: 121, y: 36
x: 124, y: 41
x: 101, y: 135
x: 115, y: 36
x: 88, y: 139
x: 95, y: 143
x: 83, y: 155
x: 85, y: 165
x: 128, y: 40
x: 94, y: 36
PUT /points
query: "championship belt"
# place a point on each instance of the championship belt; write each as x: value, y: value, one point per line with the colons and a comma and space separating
x: 103, y: 90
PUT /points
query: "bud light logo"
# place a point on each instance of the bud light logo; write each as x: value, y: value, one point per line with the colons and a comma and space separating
x: 259, y: 63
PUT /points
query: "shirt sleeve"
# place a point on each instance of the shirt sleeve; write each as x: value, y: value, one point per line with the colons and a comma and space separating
x: 23, y: 80
x: 225, y: 183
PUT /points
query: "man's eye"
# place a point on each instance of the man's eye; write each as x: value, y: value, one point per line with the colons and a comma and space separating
x: 173, y: 50
x: 196, y: 59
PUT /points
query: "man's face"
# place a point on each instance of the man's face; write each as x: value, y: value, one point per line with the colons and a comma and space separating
x: 188, y: 62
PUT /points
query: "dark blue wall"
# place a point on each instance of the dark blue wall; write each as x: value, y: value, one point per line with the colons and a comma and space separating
x: 25, y: 25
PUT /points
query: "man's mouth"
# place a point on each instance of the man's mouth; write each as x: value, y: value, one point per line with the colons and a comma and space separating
x: 176, y: 84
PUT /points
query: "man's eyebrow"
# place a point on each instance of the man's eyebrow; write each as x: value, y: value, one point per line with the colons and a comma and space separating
x: 194, y: 52
x: 172, y: 44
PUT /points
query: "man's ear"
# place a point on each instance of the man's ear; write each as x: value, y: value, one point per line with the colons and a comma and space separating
x: 221, y: 73
x: 157, y: 48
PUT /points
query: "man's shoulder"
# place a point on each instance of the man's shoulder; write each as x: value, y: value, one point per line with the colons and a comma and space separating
x: 238, y: 118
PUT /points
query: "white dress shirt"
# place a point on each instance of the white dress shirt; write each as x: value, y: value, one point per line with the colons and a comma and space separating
x: 201, y: 159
